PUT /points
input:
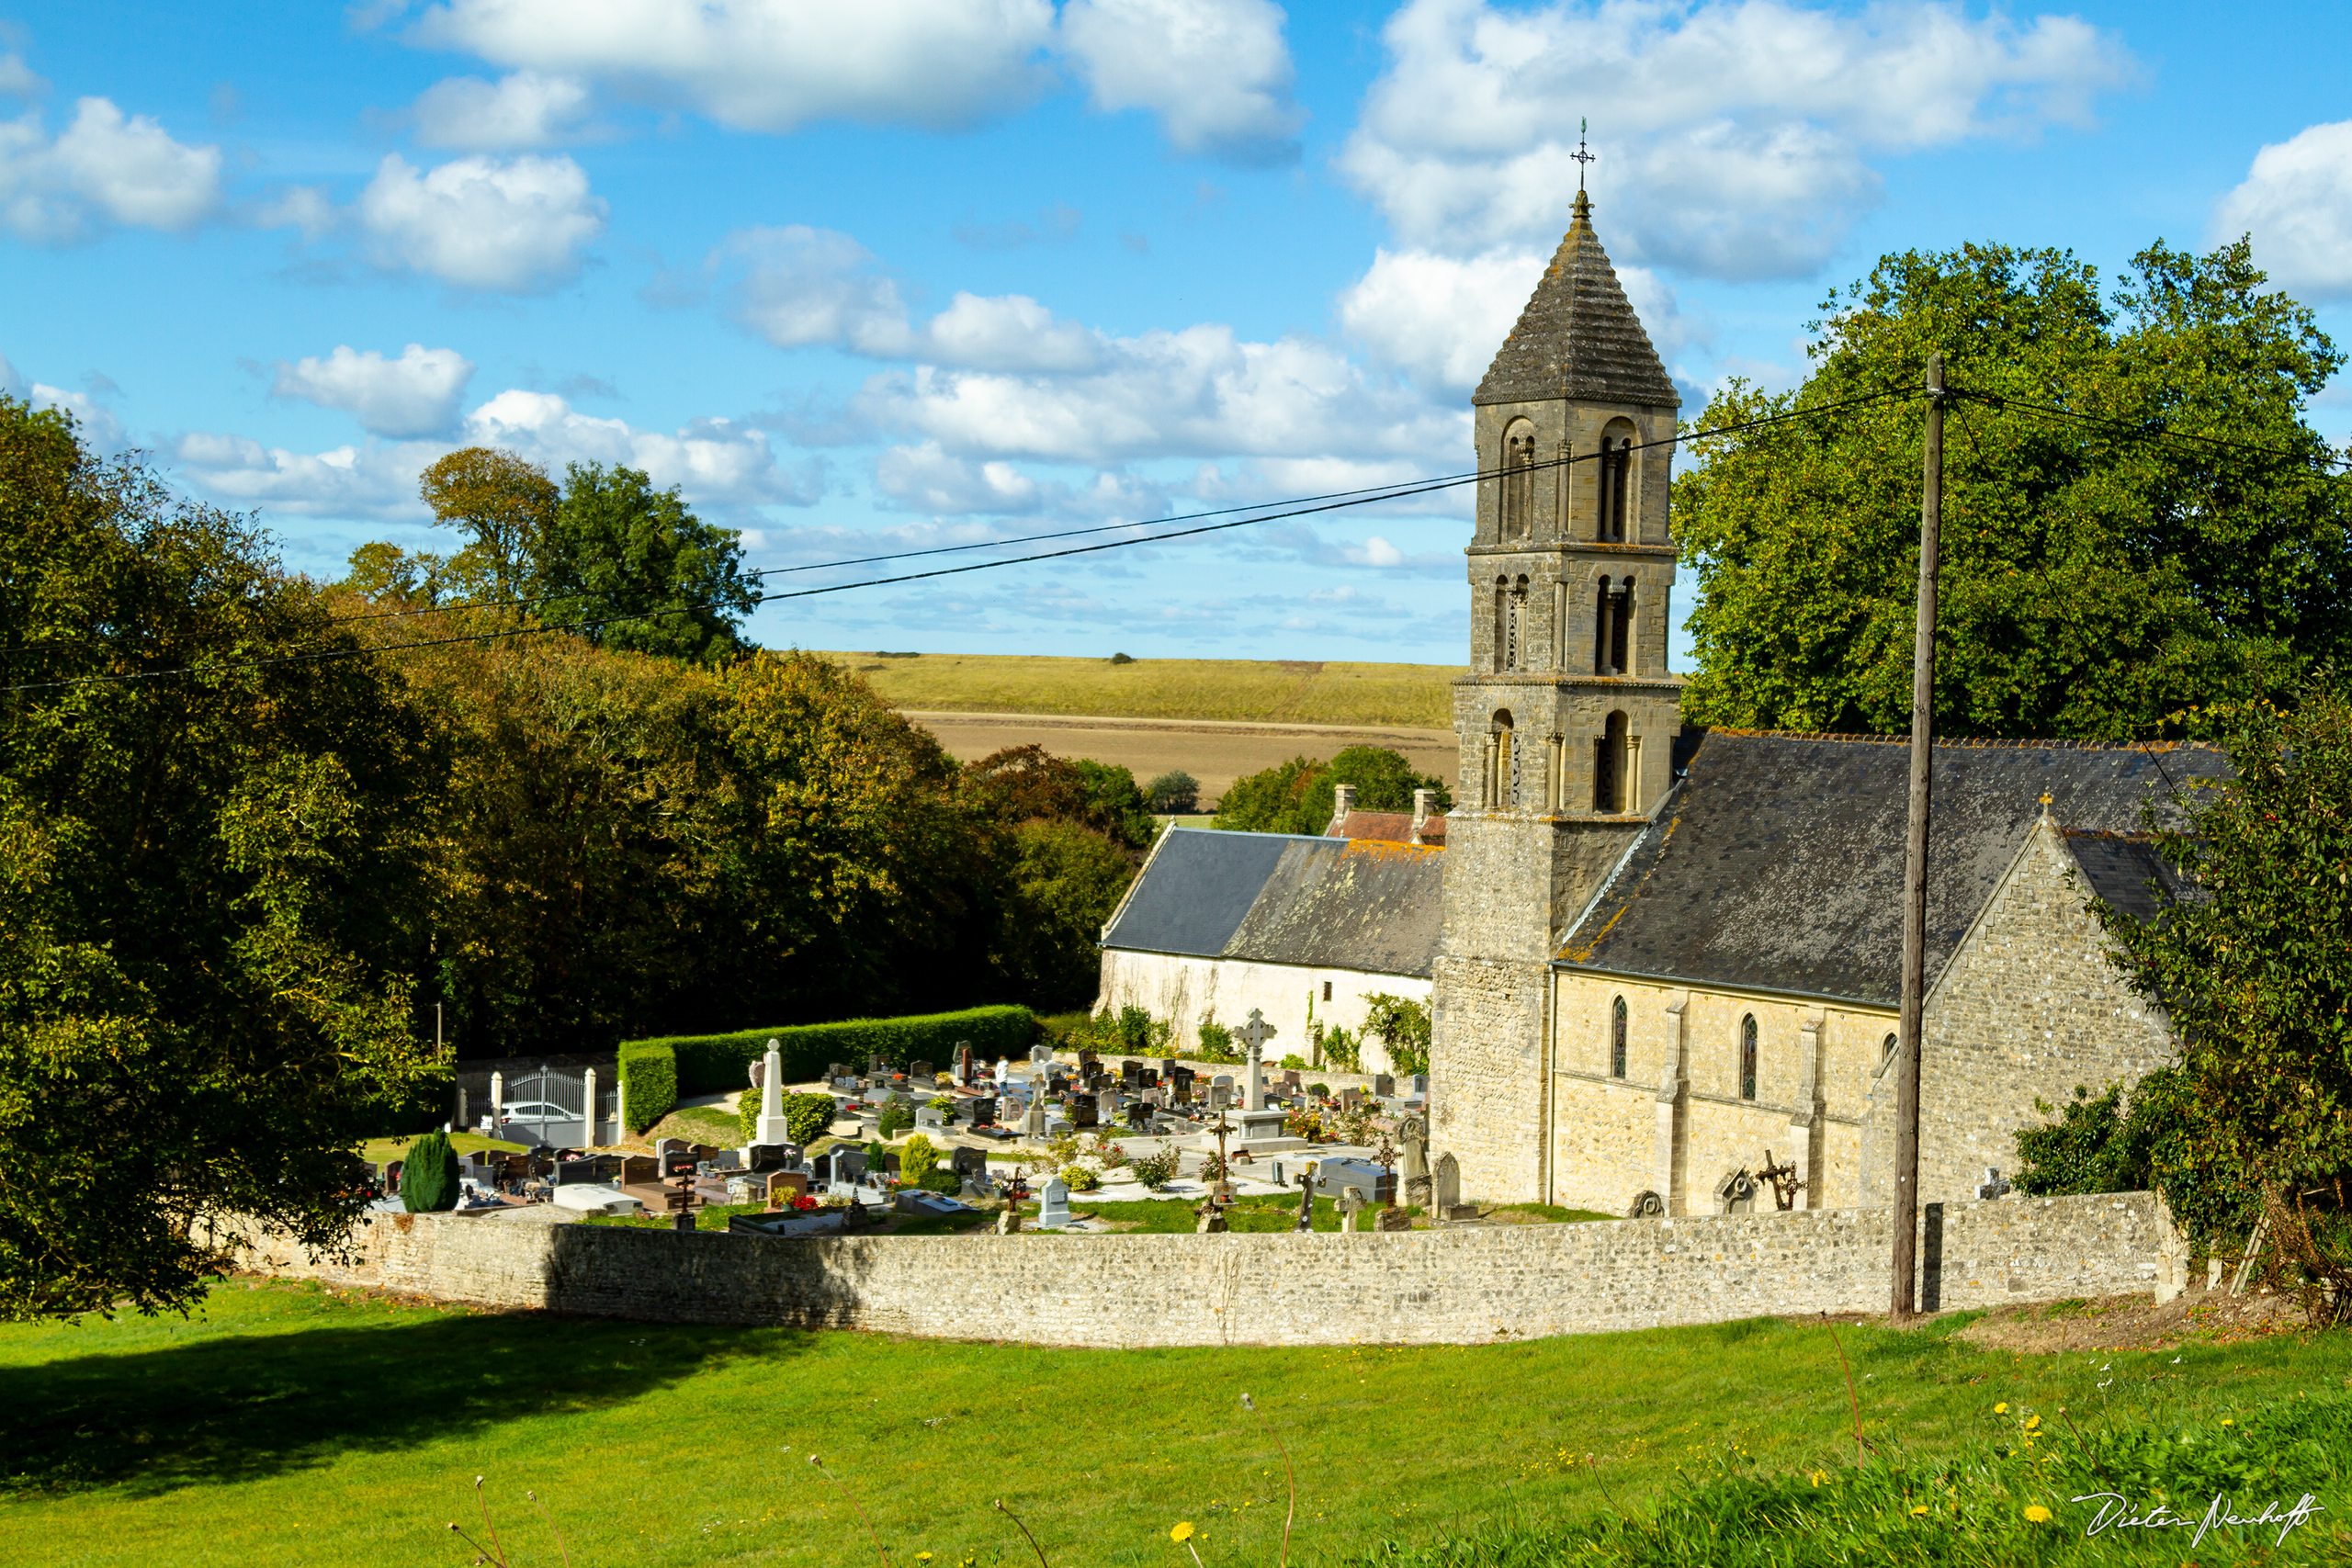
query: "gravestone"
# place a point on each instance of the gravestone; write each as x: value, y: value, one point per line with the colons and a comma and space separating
x: 1351, y: 1098
x: 1394, y: 1220
x: 930, y: 1116
x: 675, y: 1161
x: 1053, y: 1205
x: 1153, y: 1095
x: 1291, y: 1080
x: 1139, y: 1116
x: 848, y: 1164
x: 1032, y: 1121
x: 639, y: 1168
x: 1351, y: 1202
x: 1131, y: 1075
x: 922, y: 1073
x: 982, y: 1111
x: 1336, y: 1173
x: 964, y: 1062
x: 1413, y: 1138
x: 787, y: 1185
x: 1085, y: 1113
x: 1421, y: 1086
x: 1041, y: 1055
x: 1384, y: 1087
x: 967, y: 1162
x: 1180, y: 1080
x: 1446, y: 1187
x: 1221, y: 1095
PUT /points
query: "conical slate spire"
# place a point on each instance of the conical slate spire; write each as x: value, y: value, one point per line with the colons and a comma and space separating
x: 1578, y: 337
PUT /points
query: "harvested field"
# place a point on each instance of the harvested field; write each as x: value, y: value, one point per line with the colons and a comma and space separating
x: 1258, y: 691
x: 1215, y: 753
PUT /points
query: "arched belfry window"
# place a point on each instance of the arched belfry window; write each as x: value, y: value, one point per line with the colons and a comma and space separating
x: 1609, y: 766
x: 1748, y: 1058
x: 1502, y: 623
x: 1499, y: 787
x: 1518, y: 481
x: 1515, y: 628
x: 1613, y: 627
x: 1617, y: 1040
x: 1614, y: 484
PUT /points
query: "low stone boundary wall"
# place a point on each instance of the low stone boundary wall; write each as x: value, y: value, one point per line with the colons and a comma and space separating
x: 1460, y: 1285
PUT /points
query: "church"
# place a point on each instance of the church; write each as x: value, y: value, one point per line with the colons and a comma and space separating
x: 1656, y: 957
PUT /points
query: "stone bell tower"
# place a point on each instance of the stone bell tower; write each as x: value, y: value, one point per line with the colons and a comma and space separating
x: 1567, y: 717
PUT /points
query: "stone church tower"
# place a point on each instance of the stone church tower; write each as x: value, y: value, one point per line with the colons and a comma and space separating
x: 1567, y: 717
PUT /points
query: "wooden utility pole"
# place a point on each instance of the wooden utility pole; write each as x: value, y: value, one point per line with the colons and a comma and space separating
x: 1905, y: 1218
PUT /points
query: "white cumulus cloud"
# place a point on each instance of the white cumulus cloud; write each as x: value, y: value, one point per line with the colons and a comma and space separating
x: 374, y: 479
x: 772, y: 64
x: 520, y: 110
x: 798, y: 287
x: 1216, y: 72
x: 2297, y: 203
x: 1734, y: 133
x: 416, y: 394
x: 713, y: 461
x: 103, y: 169
x: 512, y: 225
x: 1441, y: 318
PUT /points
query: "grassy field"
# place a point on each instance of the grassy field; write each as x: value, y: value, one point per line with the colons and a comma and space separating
x: 1288, y: 692
x: 292, y: 1423
x: 378, y: 1151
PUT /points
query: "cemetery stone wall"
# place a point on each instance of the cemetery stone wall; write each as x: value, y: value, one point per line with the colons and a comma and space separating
x: 1462, y: 1284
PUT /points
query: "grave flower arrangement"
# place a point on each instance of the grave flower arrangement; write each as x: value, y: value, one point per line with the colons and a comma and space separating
x: 1309, y: 1123
x: 803, y: 1202
x: 1081, y: 1178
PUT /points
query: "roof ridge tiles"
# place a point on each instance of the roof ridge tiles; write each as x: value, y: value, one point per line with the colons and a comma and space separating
x: 1975, y: 743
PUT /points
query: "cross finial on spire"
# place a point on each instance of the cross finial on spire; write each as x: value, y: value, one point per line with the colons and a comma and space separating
x: 1580, y: 155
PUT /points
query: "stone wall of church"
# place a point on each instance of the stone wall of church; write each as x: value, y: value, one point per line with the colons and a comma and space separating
x: 1462, y: 1285
x: 2027, y: 1008
x: 1487, y: 1072
x: 1186, y: 990
x: 1605, y: 1131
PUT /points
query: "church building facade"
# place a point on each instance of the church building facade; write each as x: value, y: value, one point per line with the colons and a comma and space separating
x: 1668, y: 957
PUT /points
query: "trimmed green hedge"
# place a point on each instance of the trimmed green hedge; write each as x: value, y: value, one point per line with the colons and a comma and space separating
x: 807, y: 1117
x: 649, y: 1082
x: 713, y: 1064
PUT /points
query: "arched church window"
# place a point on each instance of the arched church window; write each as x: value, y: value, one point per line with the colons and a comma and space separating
x: 1608, y: 765
x: 1502, y: 764
x: 1887, y: 1051
x: 1617, y: 1040
x: 1518, y: 481
x: 1515, y: 629
x: 1748, y: 1058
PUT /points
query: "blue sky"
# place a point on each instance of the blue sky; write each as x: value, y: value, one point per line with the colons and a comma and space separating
x: 925, y: 272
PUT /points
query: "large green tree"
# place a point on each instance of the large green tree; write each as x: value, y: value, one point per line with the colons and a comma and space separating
x: 2254, y: 967
x: 210, y: 886
x: 1297, y: 797
x: 2094, y: 580
x: 638, y: 570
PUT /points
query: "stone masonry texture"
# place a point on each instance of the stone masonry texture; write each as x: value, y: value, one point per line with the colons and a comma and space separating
x: 1462, y: 1285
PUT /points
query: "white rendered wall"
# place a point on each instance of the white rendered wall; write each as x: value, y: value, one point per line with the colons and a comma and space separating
x: 1188, y: 990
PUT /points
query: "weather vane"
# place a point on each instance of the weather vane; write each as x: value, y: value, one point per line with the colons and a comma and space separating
x: 1580, y: 155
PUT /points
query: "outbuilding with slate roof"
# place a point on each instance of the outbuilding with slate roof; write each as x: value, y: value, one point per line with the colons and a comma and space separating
x: 1303, y: 929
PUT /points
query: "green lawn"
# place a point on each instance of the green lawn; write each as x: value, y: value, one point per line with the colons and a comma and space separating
x: 381, y: 1151
x: 290, y: 1424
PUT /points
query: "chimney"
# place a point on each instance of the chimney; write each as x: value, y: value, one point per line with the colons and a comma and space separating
x: 1424, y: 804
x: 1344, y: 801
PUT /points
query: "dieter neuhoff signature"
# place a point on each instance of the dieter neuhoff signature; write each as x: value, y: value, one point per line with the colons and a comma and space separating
x: 2118, y: 1512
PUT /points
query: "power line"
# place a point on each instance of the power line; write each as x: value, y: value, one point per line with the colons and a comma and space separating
x: 1348, y: 499
x: 2149, y: 430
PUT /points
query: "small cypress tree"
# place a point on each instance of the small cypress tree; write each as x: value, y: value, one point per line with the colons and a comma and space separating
x: 429, y: 1180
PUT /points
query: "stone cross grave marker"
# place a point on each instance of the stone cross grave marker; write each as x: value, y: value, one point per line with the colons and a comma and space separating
x: 1351, y: 1202
x: 1255, y: 1034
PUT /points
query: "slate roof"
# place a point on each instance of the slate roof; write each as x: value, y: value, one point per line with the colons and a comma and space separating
x: 1578, y: 337
x: 1393, y: 826
x: 2119, y: 868
x: 1776, y: 864
x: 1280, y: 898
